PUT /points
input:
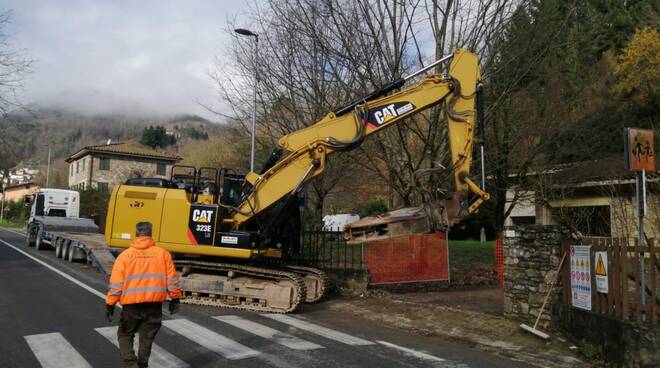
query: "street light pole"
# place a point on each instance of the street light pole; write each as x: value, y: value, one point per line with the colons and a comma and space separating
x: 48, y: 169
x: 246, y: 32
x: 2, y: 208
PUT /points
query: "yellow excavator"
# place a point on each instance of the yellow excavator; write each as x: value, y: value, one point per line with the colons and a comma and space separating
x: 233, y: 234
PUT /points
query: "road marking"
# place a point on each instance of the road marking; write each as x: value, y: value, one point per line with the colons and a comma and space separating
x: 411, y: 352
x: 160, y: 358
x: 269, y: 333
x: 66, y: 276
x: 54, y: 351
x: 215, y: 342
x: 319, y: 330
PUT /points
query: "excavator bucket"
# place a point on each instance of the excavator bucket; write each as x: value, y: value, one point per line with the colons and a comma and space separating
x: 438, y: 216
x: 404, y: 221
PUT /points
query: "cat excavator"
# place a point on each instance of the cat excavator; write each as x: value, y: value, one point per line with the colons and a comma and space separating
x: 235, y: 237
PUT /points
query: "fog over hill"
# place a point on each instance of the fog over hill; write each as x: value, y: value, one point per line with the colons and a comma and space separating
x: 92, y: 103
x: 70, y: 120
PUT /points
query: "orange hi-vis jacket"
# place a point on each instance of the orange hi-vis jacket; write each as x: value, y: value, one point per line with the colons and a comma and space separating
x: 143, y: 273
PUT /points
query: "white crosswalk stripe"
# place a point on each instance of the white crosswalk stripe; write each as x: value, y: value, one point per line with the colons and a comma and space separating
x: 269, y: 333
x: 160, y: 358
x: 54, y: 351
x: 213, y: 341
x: 319, y: 330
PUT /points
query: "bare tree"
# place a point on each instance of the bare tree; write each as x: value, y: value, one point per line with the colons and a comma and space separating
x: 316, y: 55
x: 14, y: 66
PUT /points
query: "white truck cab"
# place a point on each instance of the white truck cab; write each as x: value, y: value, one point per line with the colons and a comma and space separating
x: 55, y: 203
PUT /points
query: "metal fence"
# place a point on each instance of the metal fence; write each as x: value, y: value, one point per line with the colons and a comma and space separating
x: 328, y: 250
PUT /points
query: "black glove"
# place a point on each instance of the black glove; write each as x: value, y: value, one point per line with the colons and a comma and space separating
x: 109, y: 311
x: 174, y: 306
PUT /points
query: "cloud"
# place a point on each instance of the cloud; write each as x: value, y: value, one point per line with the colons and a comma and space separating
x: 154, y: 52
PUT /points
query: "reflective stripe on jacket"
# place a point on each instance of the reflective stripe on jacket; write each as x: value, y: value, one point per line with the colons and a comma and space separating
x: 143, y: 273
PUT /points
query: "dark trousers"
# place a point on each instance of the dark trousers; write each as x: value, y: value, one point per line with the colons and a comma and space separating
x: 141, y: 318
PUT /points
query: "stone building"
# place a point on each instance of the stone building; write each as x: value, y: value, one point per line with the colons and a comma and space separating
x: 102, y: 166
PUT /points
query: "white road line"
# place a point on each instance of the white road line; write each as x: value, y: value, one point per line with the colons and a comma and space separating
x: 411, y: 352
x: 66, y: 276
x: 319, y: 330
x: 215, y: 342
x: 160, y: 358
x: 269, y: 333
x: 54, y: 351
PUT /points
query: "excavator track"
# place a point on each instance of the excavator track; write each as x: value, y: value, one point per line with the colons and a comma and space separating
x: 315, y: 280
x: 244, y: 287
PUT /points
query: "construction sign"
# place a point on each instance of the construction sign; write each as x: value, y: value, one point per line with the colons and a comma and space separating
x: 601, y: 272
x: 640, y: 149
x: 581, y: 276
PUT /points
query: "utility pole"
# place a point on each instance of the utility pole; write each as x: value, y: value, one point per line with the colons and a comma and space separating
x: 2, y: 208
x: 246, y: 32
x: 48, y: 169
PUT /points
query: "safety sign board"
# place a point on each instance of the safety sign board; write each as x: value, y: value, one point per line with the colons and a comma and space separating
x: 601, y: 272
x: 581, y: 276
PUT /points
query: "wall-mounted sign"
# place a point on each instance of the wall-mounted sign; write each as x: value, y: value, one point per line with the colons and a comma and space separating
x: 639, y: 145
x: 601, y: 272
x: 581, y: 276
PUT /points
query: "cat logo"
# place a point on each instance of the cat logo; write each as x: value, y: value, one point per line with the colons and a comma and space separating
x: 385, y: 114
x: 137, y: 204
x: 203, y: 216
x: 380, y: 115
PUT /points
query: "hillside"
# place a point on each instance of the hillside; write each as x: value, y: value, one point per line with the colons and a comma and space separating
x: 25, y: 136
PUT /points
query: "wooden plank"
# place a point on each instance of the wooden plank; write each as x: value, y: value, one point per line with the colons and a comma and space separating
x: 616, y: 271
x: 566, y: 272
x: 638, y: 291
x: 623, y: 277
x: 611, y: 304
x: 652, y: 281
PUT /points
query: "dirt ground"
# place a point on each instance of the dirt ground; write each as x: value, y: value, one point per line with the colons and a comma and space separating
x: 471, y: 315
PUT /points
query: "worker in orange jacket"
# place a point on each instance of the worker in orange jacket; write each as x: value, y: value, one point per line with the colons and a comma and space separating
x: 142, y: 278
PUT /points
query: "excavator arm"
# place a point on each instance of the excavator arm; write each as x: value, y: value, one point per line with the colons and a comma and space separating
x: 307, y: 149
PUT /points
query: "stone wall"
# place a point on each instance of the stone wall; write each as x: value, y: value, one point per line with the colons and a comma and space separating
x: 531, y: 256
x: 620, y: 343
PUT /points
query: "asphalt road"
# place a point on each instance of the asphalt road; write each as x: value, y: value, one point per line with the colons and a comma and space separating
x: 51, y: 319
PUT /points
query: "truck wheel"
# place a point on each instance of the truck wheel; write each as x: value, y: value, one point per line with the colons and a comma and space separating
x: 69, y: 252
x: 39, y: 243
x: 30, y: 236
x: 59, y: 248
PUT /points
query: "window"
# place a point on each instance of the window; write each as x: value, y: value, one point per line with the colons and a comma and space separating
x: 71, y: 170
x: 160, y: 169
x: 77, y: 167
x: 102, y: 187
x: 104, y: 163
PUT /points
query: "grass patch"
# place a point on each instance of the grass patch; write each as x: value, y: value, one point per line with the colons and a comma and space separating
x: 468, y: 254
x: 15, y: 225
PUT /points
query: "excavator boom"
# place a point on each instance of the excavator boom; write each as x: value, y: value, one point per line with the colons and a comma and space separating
x: 307, y: 149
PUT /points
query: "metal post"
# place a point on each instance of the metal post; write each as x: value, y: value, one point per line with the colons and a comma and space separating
x: 247, y: 32
x: 2, y: 208
x: 641, y: 202
x: 48, y: 169
x: 254, y: 106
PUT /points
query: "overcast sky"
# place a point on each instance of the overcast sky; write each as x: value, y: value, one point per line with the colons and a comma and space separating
x: 153, y: 52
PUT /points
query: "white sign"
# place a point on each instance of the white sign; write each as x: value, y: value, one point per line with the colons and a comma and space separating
x: 581, y: 276
x: 600, y: 259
